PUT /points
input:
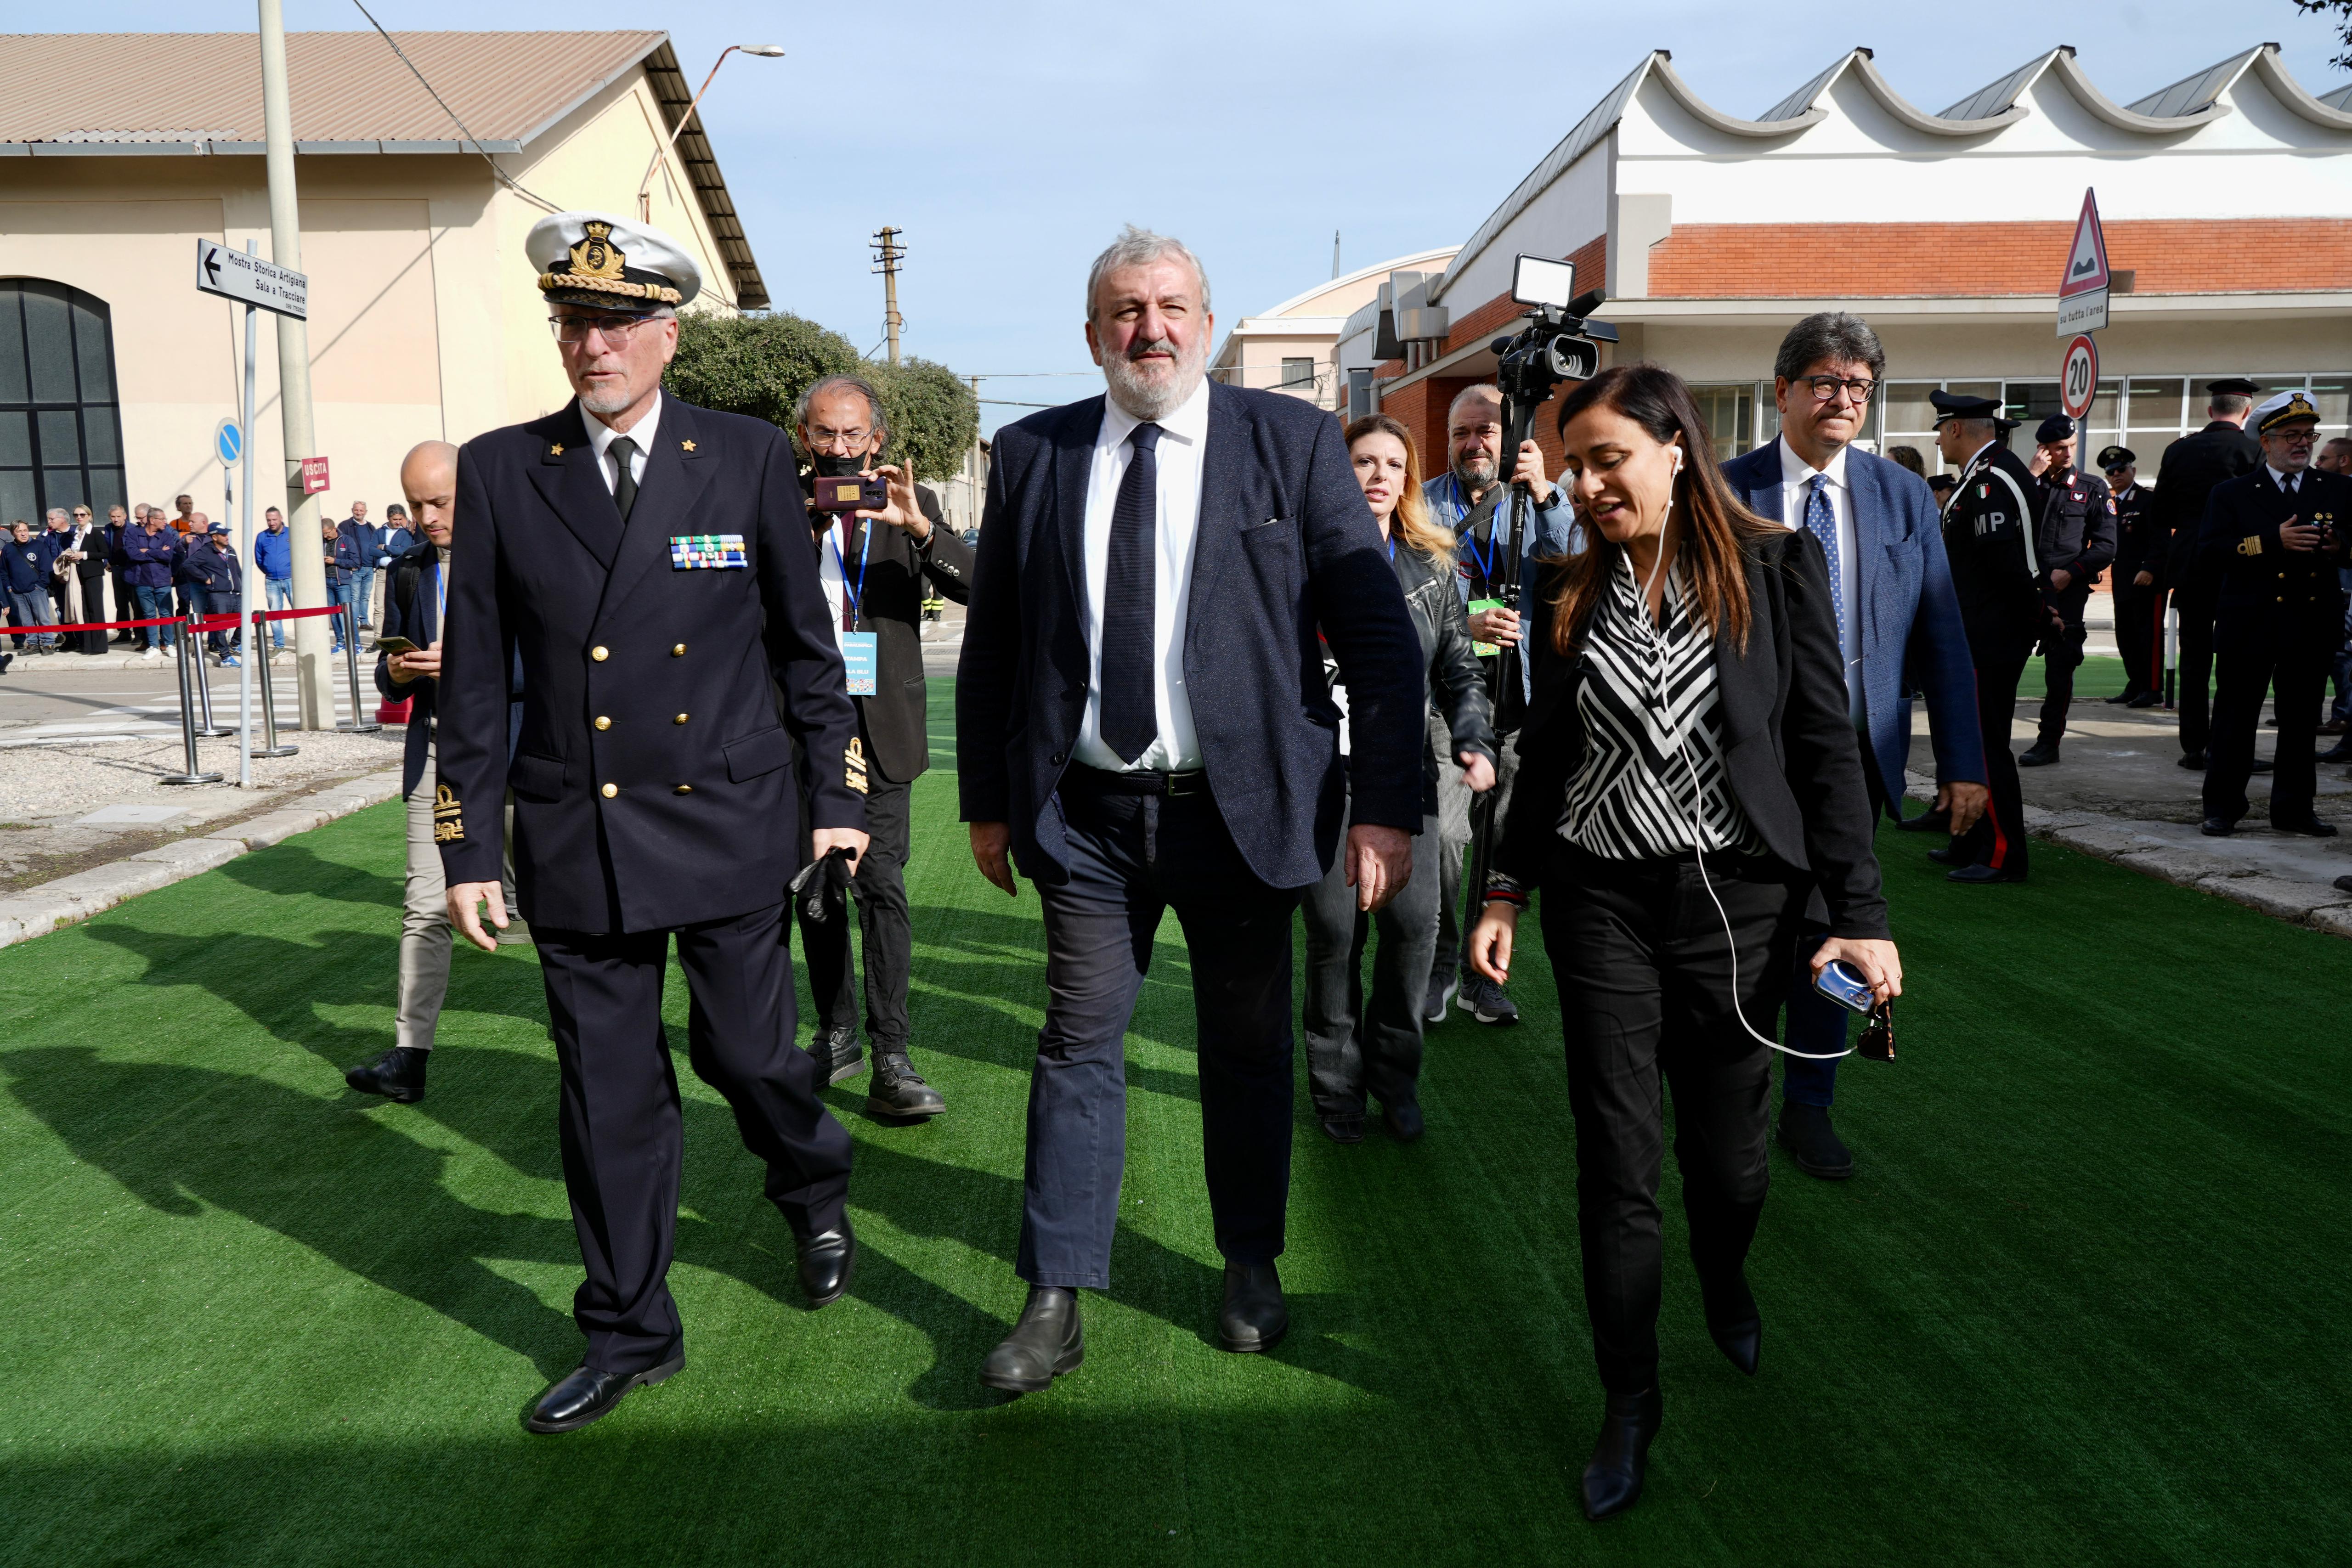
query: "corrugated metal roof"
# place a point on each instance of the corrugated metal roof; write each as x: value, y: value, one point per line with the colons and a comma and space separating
x: 347, y: 87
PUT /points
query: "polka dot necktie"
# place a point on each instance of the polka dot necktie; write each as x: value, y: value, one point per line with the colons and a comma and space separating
x: 1821, y: 523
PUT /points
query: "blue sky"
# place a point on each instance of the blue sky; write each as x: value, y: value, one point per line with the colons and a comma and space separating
x: 1011, y: 139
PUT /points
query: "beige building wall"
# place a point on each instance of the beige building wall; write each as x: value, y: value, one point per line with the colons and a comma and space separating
x: 426, y: 322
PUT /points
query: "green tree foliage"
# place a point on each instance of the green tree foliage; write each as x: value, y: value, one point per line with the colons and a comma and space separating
x: 760, y: 364
x: 2339, y: 16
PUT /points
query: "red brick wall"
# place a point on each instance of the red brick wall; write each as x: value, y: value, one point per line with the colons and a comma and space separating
x: 1749, y: 261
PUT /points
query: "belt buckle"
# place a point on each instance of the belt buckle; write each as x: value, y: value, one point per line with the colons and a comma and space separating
x: 1190, y: 783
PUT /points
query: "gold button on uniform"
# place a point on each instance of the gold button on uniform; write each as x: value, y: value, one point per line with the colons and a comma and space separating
x: 679, y: 719
x: 683, y: 789
x: 610, y: 790
x: 603, y: 723
x: 679, y: 652
x: 600, y: 655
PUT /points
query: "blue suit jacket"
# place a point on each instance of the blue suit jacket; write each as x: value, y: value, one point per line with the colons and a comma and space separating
x: 1911, y: 632
x: 1287, y: 545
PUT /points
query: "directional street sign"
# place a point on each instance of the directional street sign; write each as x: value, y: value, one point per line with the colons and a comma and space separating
x: 2078, y: 376
x: 228, y: 444
x: 2083, y: 291
x: 314, y: 476
x: 249, y: 280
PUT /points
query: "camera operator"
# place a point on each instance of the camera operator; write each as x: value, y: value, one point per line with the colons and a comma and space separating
x: 874, y: 587
x: 1472, y: 498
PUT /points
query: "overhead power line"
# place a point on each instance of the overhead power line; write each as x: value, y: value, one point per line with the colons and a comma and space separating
x: 511, y: 183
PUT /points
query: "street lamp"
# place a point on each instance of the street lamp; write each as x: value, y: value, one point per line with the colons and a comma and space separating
x: 645, y: 186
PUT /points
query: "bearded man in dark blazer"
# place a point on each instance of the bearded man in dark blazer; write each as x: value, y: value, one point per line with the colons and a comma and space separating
x: 1143, y: 724
x: 648, y: 563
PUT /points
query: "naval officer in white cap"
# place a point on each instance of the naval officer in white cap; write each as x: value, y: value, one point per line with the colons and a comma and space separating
x: 648, y: 562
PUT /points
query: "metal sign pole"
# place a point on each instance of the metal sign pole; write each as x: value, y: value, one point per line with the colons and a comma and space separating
x: 249, y: 614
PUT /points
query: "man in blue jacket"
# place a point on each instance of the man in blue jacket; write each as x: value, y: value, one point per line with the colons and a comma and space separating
x: 1899, y: 621
x: 216, y: 581
x: 24, y: 563
x: 360, y: 544
x: 1472, y: 497
x: 152, y: 552
x: 273, y: 552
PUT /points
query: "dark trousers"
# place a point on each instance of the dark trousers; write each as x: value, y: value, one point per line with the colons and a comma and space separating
x: 2196, y: 671
x: 1998, y: 838
x: 2139, y: 637
x: 1817, y: 1025
x: 2065, y: 657
x: 1131, y: 858
x: 623, y: 1139
x: 1352, y: 1048
x: 2292, y: 670
x: 880, y: 890
x: 1646, y: 992
x: 126, y: 607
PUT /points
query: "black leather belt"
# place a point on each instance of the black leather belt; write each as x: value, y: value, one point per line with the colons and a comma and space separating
x: 1137, y: 781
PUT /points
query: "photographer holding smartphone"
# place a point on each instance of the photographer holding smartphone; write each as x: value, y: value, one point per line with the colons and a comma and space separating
x: 1689, y: 775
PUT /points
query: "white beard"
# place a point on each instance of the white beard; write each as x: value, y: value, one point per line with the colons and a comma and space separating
x: 1153, y: 398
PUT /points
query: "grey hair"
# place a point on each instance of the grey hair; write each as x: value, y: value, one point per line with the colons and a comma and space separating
x: 59, y: 512
x: 1829, y: 335
x: 824, y: 384
x: 2228, y: 403
x: 1139, y: 247
x: 1487, y: 390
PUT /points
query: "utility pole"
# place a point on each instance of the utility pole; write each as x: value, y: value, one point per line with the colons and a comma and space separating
x: 887, y: 253
x: 313, y: 668
x: 1335, y: 252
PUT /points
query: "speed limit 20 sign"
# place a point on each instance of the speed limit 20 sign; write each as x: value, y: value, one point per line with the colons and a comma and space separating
x: 2078, y: 375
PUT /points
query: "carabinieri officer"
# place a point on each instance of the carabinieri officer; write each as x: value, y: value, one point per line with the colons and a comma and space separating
x: 649, y: 561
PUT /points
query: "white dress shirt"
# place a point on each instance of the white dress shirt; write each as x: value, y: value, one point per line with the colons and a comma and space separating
x: 2290, y: 483
x: 602, y: 435
x: 1796, y: 484
x: 1176, y: 530
x: 832, y: 545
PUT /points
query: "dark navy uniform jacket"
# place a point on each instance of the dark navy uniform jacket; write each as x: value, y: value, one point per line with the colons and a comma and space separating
x: 2078, y: 527
x: 663, y: 697
x: 2270, y: 596
x: 2192, y: 465
x: 2139, y: 541
x: 1987, y: 528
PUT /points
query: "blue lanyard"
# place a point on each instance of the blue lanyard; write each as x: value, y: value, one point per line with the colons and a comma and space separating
x: 1392, y: 546
x: 856, y: 591
x: 440, y: 602
x: 1487, y: 561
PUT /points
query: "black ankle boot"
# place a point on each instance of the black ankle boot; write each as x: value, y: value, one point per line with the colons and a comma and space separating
x: 1047, y: 1342
x: 1733, y: 1322
x: 398, y: 1076
x: 1612, y: 1481
x: 899, y: 1090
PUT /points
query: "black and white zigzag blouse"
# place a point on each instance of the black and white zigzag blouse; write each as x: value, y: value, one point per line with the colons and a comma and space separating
x: 1634, y: 796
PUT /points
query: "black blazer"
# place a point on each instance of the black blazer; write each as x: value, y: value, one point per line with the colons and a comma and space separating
x: 652, y: 782
x: 895, y: 719
x: 2265, y: 595
x: 1286, y: 542
x: 410, y: 611
x: 1793, y: 757
x: 2185, y: 478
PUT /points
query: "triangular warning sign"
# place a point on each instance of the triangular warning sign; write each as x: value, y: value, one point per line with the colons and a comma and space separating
x: 2086, y: 259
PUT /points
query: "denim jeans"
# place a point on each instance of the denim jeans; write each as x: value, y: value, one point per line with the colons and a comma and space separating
x: 33, y: 610
x: 154, y: 601
x: 281, y: 597
x: 337, y: 593
x: 364, y: 594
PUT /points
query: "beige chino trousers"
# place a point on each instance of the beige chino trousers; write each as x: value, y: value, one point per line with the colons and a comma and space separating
x: 425, y: 930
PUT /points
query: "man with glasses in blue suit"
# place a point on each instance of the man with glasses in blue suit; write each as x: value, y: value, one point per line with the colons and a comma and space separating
x: 1899, y: 621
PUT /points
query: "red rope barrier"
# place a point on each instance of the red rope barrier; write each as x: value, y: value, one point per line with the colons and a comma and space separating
x: 213, y: 623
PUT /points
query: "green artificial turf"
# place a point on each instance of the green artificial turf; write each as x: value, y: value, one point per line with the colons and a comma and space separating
x: 2084, y: 1301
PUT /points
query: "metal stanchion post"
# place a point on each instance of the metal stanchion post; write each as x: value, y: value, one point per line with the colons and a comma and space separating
x: 209, y: 730
x: 188, y: 725
x: 356, y: 725
x: 268, y: 746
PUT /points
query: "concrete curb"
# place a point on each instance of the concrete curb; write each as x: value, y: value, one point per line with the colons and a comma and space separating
x: 37, y: 910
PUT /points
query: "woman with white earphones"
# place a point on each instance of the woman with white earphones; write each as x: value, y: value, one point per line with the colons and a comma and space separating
x: 1688, y: 776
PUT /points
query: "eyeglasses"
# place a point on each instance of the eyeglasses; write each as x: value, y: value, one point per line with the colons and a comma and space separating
x: 844, y: 442
x: 1826, y: 389
x: 2120, y: 469
x: 617, y: 330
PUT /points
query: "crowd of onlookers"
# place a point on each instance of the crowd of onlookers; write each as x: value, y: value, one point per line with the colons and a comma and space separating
x: 145, y: 563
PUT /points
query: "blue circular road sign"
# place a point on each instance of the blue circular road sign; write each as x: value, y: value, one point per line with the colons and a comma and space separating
x: 228, y: 442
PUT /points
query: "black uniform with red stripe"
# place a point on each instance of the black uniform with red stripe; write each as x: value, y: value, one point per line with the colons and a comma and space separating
x: 2140, y: 543
x: 2077, y: 538
x: 2277, y: 620
x: 673, y: 655
x: 1988, y: 525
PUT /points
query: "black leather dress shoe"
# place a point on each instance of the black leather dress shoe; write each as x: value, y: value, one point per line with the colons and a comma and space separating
x: 2309, y: 828
x: 2259, y: 764
x: 2123, y: 696
x: 1047, y: 1342
x: 1343, y: 1129
x: 398, y: 1076
x: 2344, y: 884
x: 1952, y: 853
x: 1927, y: 821
x: 2195, y: 761
x: 1733, y: 1322
x: 899, y: 1090
x: 2216, y: 827
x: 1255, y: 1317
x: 2040, y: 754
x: 1404, y: 1119
x: 827, y: 1260
x: 585, y: 1394
x: 1813, y: 1143
x: 1612, y: 1481
x: 1973, y: 873
x: 2340, y: 752
x: 2146, y: 699
x: 839, y: 1055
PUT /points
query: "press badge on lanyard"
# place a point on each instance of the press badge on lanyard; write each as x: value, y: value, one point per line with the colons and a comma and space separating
x: 859, y: 653
x: 691, y: 552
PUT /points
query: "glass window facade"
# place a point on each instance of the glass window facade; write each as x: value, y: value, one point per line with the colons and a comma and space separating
x: 60, y: 429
